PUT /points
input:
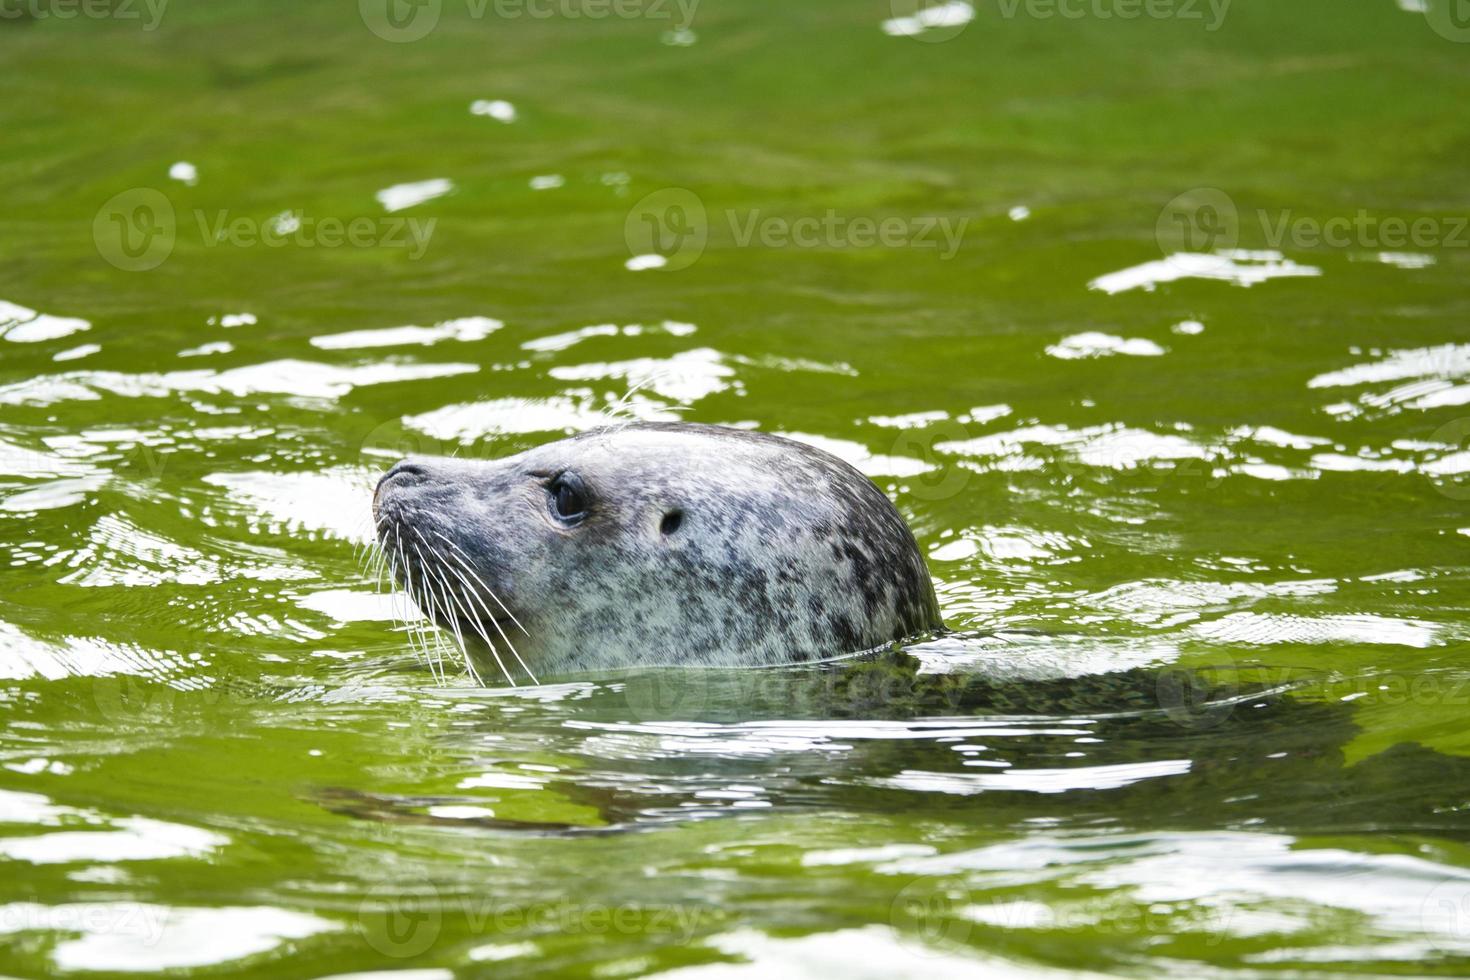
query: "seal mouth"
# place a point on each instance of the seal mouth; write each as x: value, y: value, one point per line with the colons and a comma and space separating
x: 441, y: 580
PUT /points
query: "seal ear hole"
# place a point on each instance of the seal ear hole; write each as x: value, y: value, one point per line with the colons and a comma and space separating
x: 671, y: 522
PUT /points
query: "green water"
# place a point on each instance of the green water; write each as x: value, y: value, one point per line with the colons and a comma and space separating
x: 1218, y: 504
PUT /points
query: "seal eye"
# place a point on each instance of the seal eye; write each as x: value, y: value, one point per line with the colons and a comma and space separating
x: 568, y: 498
x: 671, y: 521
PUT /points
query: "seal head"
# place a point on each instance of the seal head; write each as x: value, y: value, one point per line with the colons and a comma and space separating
x: 654, y: 543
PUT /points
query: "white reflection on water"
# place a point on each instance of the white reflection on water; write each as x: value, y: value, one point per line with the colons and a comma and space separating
x: 687, y: 376
x: 133, y: 839
x: 642, y: 263
x: 24, y: 325
x: 871, y: 952
x: 955, y: 13
x: 401, y: 196
x: 307, y: 379
x: 1240, y: 268
x: 463, y: 329
x: 1112, y: 446
x: 349, y: 606
x: 573, y: 410
x: 497, y: 109
x: 76, y: 353
x: 1095, y: 344
x: 58, y: 493
x: 861, y: 457
x: 1406, y: 260
x: 131, y: 937
x: 562, y: 341
x: 334, y: 501
x: 1034, y: 780
x: 1429, y: 376
x: 1444, y: 361
x: 1231, y: 868
x: 1265, y: 628
x: 87, y: 656
x: 216, y: 347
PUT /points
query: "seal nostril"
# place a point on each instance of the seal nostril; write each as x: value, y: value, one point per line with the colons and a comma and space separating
x: 671, y: 521
x: 410, y: 472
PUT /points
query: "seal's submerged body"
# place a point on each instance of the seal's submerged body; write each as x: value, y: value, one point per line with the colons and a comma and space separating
x: 655, y: 543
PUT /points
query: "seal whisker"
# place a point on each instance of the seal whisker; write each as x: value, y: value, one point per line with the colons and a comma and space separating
x: 470, y: 593
x: 433, y: 611
x: 449, y: 597
x: 464, y: 560
x: 417, y: 629
x: 463, y: 601
x: 425, y: 568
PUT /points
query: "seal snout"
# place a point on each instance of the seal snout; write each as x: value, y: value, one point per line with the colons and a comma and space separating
x: 405, y: 471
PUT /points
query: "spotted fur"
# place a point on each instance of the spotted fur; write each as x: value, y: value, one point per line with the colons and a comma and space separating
x: 784, y: 553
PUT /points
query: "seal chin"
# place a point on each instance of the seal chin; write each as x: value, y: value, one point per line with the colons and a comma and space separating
x: 653, y: 544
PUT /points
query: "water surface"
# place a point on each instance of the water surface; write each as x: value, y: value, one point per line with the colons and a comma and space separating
x: 1191, y: 481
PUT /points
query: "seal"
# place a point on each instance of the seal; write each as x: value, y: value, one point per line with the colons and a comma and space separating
x: 653, y: 544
